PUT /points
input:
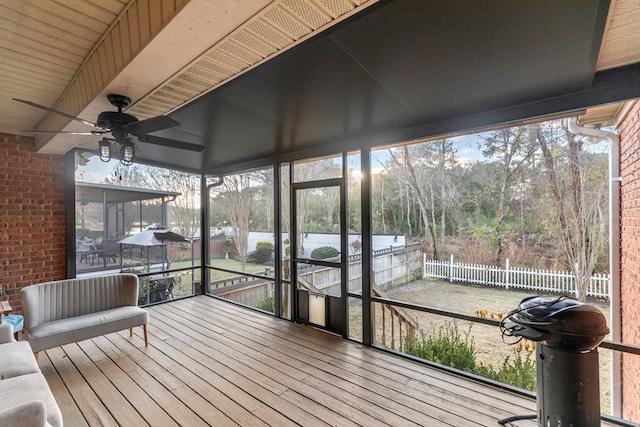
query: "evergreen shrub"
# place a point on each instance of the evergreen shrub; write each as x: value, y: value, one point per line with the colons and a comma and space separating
x: 324, y: 252
x: 263, y: 253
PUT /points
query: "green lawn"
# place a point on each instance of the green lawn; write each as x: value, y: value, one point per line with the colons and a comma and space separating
x: 228, y: 264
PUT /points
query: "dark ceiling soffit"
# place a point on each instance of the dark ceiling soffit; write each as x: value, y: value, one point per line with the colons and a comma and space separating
x: 600, y: 25
x: 614, y: 85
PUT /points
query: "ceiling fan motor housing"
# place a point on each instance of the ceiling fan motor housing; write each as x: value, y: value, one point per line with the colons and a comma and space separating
x: 114, y: 119
x: 119, y: 101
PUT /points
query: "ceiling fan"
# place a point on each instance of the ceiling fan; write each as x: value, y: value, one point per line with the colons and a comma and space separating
x: 121, y: 126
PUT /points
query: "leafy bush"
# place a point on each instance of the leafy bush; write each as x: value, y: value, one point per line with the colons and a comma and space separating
x: 518, y: 369
x: 267, y: 304
x: 263, y: 253
x: 324, y: 252
x: 448, y: 347
x: 264, y: 244
x: 451, y: 348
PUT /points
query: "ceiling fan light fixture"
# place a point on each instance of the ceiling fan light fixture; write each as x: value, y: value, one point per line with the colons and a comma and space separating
x: 127, y: 153
x: 105, y: 150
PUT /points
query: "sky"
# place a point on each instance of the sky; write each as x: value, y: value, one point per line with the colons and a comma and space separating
x: 95, y: 171
x: 466, y: 147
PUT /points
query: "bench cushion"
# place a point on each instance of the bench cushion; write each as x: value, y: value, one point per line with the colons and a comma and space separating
x: 28, y: 388
x: 78, y: 328
x: 16, y: 358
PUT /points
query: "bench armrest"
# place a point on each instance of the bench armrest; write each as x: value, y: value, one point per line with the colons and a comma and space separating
x: 6, y: 333
x: 29, y: 414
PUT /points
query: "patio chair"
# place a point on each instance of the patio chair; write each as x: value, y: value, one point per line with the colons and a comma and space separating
x: 160, y: 289
x: 110, y: 251
x: 85, y: 251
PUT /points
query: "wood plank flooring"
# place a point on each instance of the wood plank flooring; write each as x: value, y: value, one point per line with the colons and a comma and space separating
x: 210, y: 363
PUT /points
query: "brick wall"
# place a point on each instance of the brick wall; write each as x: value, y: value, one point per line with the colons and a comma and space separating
x: 630, y: 258
x: 32, y: 217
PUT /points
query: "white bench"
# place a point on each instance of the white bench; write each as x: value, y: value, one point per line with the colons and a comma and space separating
x: 67, y: 311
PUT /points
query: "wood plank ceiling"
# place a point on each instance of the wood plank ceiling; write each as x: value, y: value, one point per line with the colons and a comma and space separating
x: 43, y: 48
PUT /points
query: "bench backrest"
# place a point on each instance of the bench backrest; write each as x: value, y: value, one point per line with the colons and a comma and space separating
x: 61, y: 299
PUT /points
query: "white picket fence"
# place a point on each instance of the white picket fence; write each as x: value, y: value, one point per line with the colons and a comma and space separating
x: 509, y: 277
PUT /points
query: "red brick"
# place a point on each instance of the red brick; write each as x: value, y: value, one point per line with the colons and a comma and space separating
x: 32, y: 217
x: 630, y: 253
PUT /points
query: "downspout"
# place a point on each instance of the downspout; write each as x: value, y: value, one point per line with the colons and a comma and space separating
x: 595, y: 136
x: 205, y: 225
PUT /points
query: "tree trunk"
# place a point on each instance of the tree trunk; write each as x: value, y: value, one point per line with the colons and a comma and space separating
x: 406, y: 192
x: 443, y: 198
x: 580, y: 225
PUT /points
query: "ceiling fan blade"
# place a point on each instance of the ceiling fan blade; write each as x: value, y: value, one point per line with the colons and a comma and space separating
x: 69, y: 116
x: 173, y: 143
x: 69, y: 132
x: 150, y: 125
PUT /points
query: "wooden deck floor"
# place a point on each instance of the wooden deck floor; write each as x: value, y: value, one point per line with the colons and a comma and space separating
x: 212, y: 363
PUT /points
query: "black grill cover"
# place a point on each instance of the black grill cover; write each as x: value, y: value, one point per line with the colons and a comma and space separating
x: 560, y: 322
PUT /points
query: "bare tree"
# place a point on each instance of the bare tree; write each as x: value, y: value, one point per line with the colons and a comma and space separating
x: 302, y: 211
x: 405, y: 171
x: 578, y: 192
x: 235, y: 197
x: 443, y: 192
x: 379, y: 196
x: 408, y: 207
x: 262, y: 216
x: 425, y: 170
x: 512, y: 148
x: 135, y: 175
x: 183, y: 210
x: 448, y: 197
x: 304, y: 171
